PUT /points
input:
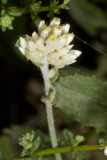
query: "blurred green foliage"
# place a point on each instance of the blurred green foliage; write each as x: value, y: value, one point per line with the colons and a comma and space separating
x: 87, y: 109
x: 88, y: 15
x: 6, y: 148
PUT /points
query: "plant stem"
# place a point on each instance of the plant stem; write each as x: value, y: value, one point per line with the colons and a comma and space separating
x: 46, y: 152
x: 47, y: 8
x: 49, y: 109
x: 15, y: 11
x: 69, y: 149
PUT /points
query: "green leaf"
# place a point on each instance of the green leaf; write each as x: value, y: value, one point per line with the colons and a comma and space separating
x: 54, y: 2
x: 38, y: 64
x: 10, y: 27
x: 83, y: 99
x: 51, y: 97
x: 3, y: 28
x: 55, y: 77
x: 36, y: 19
x: 89, y: 16
x: 50, y: 14
x: 37, y: 143
x: 66, y: 1
x: 57, y: 11
x: 101, y: 70
x: 66, y: 135
x: 102, y: 142
x: 16, y: 131
x: 72, y: 138
x: 91, y: 133
x: 15, y: 12
x: 79, y: 155
x: 4, y: 2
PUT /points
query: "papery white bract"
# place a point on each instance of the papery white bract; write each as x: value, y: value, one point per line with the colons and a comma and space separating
x: 52, y: 41
x: 105, y: 151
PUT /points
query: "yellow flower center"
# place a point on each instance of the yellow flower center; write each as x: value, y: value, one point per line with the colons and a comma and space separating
x: 53, y: 37
x: 72, y: 34
x: 65, y: 36
x: 56, y: 20
x: 58, y: 27
x: 47, y: 29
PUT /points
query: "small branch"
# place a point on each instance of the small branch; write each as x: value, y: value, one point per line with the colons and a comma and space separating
x: 47, y: 152
x: 47, y: 8
x: 68, y: 149
x: 15, y: 11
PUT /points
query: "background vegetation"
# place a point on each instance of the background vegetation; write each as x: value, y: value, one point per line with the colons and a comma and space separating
x: 21, y: 84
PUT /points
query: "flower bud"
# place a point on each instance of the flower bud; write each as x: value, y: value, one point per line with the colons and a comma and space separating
x: 70, y: 38
x: 41, y: 26
x: 66, y: 28
x: 57, y: 30
x: 35, y: 36
x: 55, y: 21
x: 31, y: 46
x: 45, y: 32
x: 105, y: 151
x: 22, y: 42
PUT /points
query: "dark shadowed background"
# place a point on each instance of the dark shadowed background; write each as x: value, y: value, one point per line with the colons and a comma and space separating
x: 21, y: 84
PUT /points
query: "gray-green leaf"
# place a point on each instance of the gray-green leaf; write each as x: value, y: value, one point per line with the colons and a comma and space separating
x: 37, y: 143
x: 83, y: 99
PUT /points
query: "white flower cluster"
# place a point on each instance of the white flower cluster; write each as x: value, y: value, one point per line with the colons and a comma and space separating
x: 52, y: 41
x: 105, y: 151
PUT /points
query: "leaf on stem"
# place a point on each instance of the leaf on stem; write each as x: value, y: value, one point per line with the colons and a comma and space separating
x: 36, y: 19
x: 83, y: 99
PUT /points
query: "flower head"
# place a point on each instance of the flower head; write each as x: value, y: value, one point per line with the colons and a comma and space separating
x: 105, y: 151
x: 52, y: 41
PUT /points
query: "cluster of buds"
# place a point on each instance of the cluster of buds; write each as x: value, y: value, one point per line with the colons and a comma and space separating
x: 52, y: 41
x: 27, y: 140
x: 6, y: 21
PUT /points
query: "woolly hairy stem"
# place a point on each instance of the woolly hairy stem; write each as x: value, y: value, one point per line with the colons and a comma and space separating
x: 49, y: 109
